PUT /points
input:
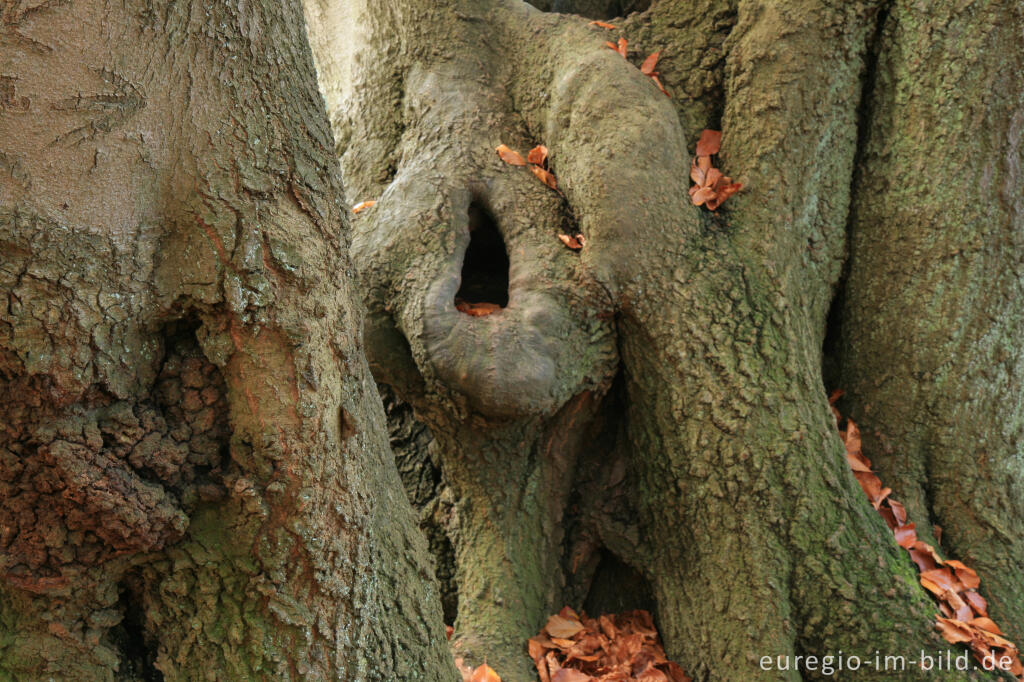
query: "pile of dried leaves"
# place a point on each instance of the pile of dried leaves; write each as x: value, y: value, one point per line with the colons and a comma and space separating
x: 612, y: 648
x: 712, y: 188
x: 954, y: 585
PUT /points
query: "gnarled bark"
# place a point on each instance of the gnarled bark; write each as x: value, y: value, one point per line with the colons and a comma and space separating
x: 755, y: 537
x: 191, y: 444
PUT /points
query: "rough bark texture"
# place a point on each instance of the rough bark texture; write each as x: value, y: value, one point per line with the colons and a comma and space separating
x: 932, y: 323
x: 194, y: 473
x: 750, y: 530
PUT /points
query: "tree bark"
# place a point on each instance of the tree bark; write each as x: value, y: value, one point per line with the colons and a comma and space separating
x: 194, y: 471
x: 751, y: 530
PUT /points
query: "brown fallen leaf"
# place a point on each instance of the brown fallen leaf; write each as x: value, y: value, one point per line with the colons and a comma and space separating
x: 562, y: 627
x: 602, y: 24
x: 484, y: 673
x: 362, y: 206
x: 906, y: 536
x: 509, y: 156
x: 545, y: 177
x: 476, y: 309
x: 575, y: 243
x: 661, y: 87
x: 647, y: 68
x: 709, y: 143
x: 570, y: 675
x: 977, y: 602
x: 965, y: 574
x: 538, y: 155
x: 622, y: 46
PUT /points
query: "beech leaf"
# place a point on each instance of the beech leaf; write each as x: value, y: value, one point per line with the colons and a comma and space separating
x: 561, y: 627
x: 575, y: 243
x: 484, y: 673
x: 538, y: 155
x: 509, y: 156
x: 545, y: 177
x: 362, y: 206
x: 710, y: 142
x: 647, y: 68
x: 602, y: 24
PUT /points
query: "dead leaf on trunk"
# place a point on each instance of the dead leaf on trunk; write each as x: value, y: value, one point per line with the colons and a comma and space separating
x: 545, y: 177
x: 575, y: 243
x: 647, y: 68
x: 484, y: 673
x: 509, y: 156
x: 362, y: 206
x: 538, y: 155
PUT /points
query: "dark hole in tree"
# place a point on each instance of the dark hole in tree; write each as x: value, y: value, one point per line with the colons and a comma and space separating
x: 593, y: 9
x: 485, y: 265
x: 617, y: 587
x: 138, y: 652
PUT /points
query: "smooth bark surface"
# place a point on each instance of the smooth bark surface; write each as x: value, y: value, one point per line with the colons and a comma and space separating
x: 194, y: 473
x: 752, y: 533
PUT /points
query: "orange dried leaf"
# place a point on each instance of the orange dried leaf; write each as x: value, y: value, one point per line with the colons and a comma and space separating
x: 709, y: 143
x: 602, y: 24
x: 538, y: 155
x: 647, y: 68
x: 702, y: 195
x: 545, y: 177
x: 622, y: 46
x: 977, y: 602
x: 954, y: 631
x: 899, y: 511
x: 906, y: 536
x: 986, y: 624
x: 942, y: 577
x: 476, y: 309
x: 509, y: 156
x: 562, y: 627
x: 965, y: 574
x: 660, y: 86
x: 574, y: 243
x: 484, y: 673
x: 570, y: 675
x: 362, y: 206
x: 448, y: 631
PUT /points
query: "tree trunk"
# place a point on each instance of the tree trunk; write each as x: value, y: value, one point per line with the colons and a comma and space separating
x: 194, y: 475
x: 751, y: 531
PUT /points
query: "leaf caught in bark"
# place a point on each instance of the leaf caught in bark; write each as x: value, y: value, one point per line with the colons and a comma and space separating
x: 619, y: 47
x: 538, y: 155
x: 965, y: 619
x: 545, y: 177
x: 509, y: 156
x: 476, y: 309
x: 484, y: 673
x: 713, y: 187
x: 575, y: 243
x: 602, y: 24
x: 362, y: 206
x: 647, y: 68
x: 709, y: 143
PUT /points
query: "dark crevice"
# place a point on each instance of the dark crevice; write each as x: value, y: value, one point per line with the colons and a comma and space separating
x: 832, y: 369
x: 830, y: 347
x: 617, y: 587
x: 485, y: 265
x: 138, y: 650
x: 593, y: 9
